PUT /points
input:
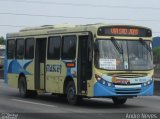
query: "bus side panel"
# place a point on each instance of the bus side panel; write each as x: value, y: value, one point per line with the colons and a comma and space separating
x: 16, y: 67
x: 29, y: 67
x: 13, y: 80
x: 90, y: 89
x: 13, y: 69
x: 62, y: 77
x: 53, y: 75
x: 56, y: 73
x: 91, y: 83
x: 67, y: 72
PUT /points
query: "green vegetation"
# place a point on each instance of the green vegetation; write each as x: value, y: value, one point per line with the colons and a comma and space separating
x: 156, y: 51
x: 156, y: 60
x: 2, y: 40
x: 156, y: 54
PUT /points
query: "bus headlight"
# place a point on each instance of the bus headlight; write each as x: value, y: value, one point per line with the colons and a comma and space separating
x: 148, y: 82
x: 145, y: 84
x: 102, y: 81
x: 109, y: 84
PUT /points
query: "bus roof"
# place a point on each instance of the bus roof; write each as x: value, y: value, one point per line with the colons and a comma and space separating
x: 61, y: 28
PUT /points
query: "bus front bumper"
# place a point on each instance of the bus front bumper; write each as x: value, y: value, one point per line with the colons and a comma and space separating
x: 101, y: 90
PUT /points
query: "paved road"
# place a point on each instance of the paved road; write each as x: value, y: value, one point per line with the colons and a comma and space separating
x: 47, y: 105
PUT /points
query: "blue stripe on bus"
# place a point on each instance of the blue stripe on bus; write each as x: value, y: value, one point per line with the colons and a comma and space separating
x: 69, y: 72
x: 15, y: 67
x: 26, y: 64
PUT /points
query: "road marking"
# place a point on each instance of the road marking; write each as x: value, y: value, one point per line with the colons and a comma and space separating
x: 23, y: 101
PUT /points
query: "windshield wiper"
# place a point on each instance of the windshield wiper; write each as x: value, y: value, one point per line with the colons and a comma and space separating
x: 145, y: 45
x: 115, y: 43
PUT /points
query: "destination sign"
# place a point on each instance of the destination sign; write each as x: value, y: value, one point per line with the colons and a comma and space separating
x: 124, y: 31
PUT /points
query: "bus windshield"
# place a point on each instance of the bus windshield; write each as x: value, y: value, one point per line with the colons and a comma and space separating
x: 2, y: 53
x: 123, y: 54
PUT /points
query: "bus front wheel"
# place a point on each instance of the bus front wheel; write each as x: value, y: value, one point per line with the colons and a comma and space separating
x: 119, y: 101
x: 71, y: 94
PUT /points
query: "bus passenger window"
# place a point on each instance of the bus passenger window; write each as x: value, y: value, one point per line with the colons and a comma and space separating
x: 29, y: 49
x: 10, y: 49
x: 20, y: 49
x: 69, y: 47
x: 54, y: 44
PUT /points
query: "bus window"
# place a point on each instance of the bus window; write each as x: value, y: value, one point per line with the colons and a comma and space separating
x: 54, y: 44
x: 69, y: 47
x: 29, y: 49
x: 10, y: 49
x: 19, y: 48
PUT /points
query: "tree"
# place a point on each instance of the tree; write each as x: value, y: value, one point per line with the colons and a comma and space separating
x: 2, y: 40
x: 156, y: 55
x: 156, y: 61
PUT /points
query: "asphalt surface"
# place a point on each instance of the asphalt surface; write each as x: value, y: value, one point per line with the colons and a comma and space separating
x: 49, y: 106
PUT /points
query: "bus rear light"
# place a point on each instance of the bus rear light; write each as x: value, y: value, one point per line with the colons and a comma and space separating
x: 70, y: 64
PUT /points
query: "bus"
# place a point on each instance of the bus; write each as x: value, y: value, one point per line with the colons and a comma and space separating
x: 2, y: 55
x: 81, y: 61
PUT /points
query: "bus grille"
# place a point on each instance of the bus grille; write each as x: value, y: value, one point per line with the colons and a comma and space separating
x: 127, y: 75
x: 128, y: 91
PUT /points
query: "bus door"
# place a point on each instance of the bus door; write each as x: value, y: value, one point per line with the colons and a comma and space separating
x: 40, y: 56
x: 84, y: 63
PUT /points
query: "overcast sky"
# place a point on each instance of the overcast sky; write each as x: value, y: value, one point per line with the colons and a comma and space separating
x: 16, y: 14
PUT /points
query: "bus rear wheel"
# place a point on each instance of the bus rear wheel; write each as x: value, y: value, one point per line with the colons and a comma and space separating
x: 23, y: 87
x: 72, y: 98
x: 119, y: 101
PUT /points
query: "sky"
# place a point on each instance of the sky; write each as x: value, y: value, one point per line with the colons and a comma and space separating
x: 18, y: 14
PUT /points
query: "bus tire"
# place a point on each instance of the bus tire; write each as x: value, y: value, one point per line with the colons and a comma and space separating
x: 23, y: 87
x: 119, y: 101
x: 72, y: 98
